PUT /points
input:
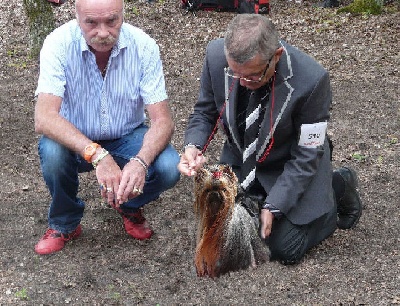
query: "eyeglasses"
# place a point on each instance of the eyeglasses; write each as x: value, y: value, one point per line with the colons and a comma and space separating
x: 231, y: 74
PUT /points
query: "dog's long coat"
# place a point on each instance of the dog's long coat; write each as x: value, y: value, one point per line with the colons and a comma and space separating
x: 227, y: 239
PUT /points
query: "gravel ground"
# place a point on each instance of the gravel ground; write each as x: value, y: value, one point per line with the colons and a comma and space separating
x: 106, y: 267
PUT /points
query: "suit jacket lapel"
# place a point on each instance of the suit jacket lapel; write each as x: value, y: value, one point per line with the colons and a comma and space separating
x: 280, y: 96
x: 231, y: 97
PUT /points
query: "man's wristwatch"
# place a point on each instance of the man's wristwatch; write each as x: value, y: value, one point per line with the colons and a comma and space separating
x: 89, y: 151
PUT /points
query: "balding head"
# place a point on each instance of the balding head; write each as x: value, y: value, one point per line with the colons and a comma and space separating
x: 82, y: 5
x: 100, y: 22
x: 78, y: 2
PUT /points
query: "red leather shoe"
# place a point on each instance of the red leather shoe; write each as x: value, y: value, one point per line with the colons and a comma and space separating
x: 137, y: 226
x: 57, y: 2
x: 54, y: 241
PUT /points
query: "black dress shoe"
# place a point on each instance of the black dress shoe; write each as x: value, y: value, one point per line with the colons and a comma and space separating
x: 349, y: 206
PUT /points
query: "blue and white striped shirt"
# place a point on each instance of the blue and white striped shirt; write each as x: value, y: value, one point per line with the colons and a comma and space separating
x: 102, y: 109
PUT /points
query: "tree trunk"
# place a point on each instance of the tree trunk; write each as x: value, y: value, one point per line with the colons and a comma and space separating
x: 41, y: 22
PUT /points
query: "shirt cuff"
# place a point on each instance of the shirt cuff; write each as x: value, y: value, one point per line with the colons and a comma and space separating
x: 275, y: 211
x: 189, y: 145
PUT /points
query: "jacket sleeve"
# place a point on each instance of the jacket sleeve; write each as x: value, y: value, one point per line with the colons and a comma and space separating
x: 304, y: 162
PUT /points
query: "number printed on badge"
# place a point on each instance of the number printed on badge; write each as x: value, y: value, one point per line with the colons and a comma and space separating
x: 312, y: 135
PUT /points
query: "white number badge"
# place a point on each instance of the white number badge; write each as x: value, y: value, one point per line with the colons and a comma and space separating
x: 312, y: 135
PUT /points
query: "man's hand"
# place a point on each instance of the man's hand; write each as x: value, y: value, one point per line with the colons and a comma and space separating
x: 132, y: 182
x: 191, y: 161
x: 266, y: 223
x: 108, y: 175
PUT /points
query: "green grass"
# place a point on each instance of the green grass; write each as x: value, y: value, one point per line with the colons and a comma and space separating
x: 22, y: 294
x: 362, y: 7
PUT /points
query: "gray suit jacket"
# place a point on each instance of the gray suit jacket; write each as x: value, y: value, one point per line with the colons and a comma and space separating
x: 297, y: 180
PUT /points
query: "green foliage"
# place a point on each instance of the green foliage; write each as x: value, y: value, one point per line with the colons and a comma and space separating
x: 16, y: 59
x: 116, y: 296
x: 358, y: 7
x: 22, y: 294
x: 113, y: 294
x: 135, y: 11
x: 41, y: 23
x: 359, y: 157
x: 393, y: 140
x: 21, y: 65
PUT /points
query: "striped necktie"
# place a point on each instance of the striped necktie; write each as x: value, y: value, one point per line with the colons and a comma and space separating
x: 254, y: 117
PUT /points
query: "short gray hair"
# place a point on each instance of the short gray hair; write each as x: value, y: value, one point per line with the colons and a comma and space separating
x: 248, y: 35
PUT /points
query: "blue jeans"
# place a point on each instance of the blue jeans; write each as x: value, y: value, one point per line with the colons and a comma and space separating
x: 60, y: 168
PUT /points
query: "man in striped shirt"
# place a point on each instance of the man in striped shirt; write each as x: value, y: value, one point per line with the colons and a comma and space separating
x: 98, y: 75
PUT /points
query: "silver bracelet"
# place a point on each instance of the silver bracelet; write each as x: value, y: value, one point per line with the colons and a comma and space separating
x: 102, y: 154
x: 141, y: 161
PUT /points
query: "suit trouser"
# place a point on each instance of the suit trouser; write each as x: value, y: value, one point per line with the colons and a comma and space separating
x: 289, y: 242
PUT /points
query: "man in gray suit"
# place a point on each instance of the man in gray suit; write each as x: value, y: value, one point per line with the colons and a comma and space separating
x: 273, y: 102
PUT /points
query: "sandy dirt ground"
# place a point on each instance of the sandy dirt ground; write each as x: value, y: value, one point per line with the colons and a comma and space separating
x: 106, y: 267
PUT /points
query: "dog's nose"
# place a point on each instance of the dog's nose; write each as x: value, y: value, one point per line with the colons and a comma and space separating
x: 214, y: 196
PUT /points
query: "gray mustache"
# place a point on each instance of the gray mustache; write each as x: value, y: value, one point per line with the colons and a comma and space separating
x: 103, y: 41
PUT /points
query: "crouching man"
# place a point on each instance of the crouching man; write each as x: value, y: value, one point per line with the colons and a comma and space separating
x: 98, y: 75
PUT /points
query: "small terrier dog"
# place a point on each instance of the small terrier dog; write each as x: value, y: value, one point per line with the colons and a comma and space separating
x: 227, y: 237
